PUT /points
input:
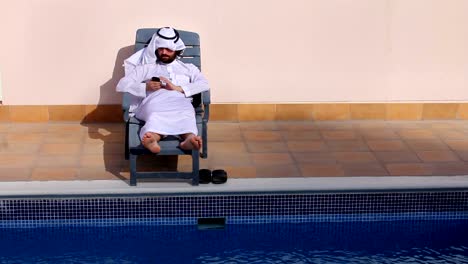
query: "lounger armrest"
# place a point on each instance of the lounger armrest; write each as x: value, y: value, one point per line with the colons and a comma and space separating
x: 126, y: 101
x: 206, y: 97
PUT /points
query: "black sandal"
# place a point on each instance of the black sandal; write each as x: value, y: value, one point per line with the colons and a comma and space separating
x: 204, y: 176
x: 218, y: 176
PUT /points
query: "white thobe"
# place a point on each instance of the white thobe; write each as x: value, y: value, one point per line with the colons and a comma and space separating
x: 165, y: 112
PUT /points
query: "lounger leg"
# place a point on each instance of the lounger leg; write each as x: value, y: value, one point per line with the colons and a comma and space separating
x: 127, y: 152
x: 195, y: 167
x: 133, y: 176
x: 204, y: 153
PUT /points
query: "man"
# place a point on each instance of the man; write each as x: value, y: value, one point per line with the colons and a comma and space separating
x: 164, y: 105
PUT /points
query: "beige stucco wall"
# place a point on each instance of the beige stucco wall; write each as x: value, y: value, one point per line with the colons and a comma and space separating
x: 56, y: 52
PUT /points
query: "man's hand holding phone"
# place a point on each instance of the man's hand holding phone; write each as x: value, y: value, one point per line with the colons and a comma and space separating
x: 154, y: 84
x: 168, y: 85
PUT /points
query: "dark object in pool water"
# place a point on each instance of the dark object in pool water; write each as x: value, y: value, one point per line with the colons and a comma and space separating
x: 211, y: 223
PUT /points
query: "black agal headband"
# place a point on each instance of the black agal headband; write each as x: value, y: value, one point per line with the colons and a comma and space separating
x: 175, y: 37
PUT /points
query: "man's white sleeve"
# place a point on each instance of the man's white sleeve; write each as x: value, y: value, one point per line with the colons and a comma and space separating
x: 198, y: 83
x: 132, y: 83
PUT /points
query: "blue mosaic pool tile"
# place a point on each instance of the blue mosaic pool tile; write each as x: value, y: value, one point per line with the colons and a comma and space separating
x: 248, y: 208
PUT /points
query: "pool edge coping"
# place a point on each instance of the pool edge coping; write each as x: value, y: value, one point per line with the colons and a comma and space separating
x: 233, y: 186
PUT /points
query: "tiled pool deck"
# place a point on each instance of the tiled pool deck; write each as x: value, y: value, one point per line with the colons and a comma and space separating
x: 69, y: 151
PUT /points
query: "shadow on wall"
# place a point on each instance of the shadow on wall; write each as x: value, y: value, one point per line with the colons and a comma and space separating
x: 105, y: 112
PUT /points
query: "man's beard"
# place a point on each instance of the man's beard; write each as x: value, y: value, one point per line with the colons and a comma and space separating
x: 166, y: 58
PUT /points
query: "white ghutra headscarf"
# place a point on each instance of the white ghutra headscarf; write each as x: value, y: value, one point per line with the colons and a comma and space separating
x: 166, y: 37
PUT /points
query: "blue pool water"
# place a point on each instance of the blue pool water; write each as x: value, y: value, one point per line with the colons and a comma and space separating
x: 352, y: 242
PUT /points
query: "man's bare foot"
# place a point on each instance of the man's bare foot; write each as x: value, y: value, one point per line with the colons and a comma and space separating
x: 150, y: 141
x: 191, y: 141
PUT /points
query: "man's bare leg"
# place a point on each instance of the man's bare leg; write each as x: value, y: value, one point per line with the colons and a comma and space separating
x: 150, y: 141
x: 190, y: 141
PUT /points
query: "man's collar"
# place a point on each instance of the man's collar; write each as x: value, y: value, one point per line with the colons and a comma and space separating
x: 167, y: 64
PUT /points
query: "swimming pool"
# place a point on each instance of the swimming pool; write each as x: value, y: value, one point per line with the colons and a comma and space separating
x: 416, y: 241
x: 380, y: 226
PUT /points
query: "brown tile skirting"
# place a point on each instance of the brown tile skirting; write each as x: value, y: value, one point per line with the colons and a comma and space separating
x: 250, y: 112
